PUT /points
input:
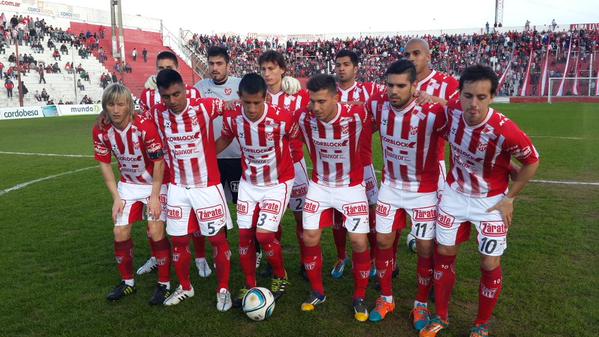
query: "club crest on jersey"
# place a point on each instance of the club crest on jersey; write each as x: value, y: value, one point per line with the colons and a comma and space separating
x: 242, y: 207
x: 311, y: 206
x: 210, y: 213
x: 356, y: 208
x: 270, y: 206
x: 173, y: 212
x: 383, y: 209
x: 425, y: 213
x: 413, y: 130
x: 493, y: 228
x: 482, y: 147
x: 194, y: 120
x: 444, y: 219
x: 228, y: 91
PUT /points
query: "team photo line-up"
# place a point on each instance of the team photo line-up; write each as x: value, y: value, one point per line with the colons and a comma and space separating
x: 192, y: 150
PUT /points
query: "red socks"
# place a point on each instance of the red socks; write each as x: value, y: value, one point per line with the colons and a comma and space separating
x: 339, y: 235
x: 123, y: 252
x: 182, y: 260
x: 247, y: 256
x: 491, y: 284
x: 444, y: 275
x: 272, y: 249
x: 424, y: 276
x: 361, y: 268
x: 162, y: 251
x: 222, y: 259
x: 299, y: 233
x: 313, y: 266
x: 384, y: 268
x: 199, y: 243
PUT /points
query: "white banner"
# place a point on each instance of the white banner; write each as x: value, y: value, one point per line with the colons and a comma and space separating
x: 79, y: 109
x: 20, y: 113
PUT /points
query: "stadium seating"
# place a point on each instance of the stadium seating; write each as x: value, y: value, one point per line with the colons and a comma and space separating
x: 60, y: 86
x: 139, y: 39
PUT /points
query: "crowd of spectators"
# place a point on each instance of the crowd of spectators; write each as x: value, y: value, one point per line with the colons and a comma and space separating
x: 40, y: 36
x: 449, y: 53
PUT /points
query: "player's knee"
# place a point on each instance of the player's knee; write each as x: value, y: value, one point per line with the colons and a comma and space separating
x: 156, y: 230
x: 489, y: 262
x: 447, y: 250
x: 311, y: 237
x: 424, y: 248
x: 122, y: 233
x: 384, y: 240
x: 359, y: 242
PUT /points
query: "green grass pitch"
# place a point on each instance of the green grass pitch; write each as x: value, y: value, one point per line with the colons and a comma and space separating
x: 57, y: 263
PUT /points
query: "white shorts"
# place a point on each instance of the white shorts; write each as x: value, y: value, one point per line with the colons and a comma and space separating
x: 191, y: 209
x: 322, y: 201
x: 136, y: 198
x: 372, y: 186
x: 442, y: 175
x: 456, y: 212
x: 393, y: 206
x: 300, y: 187
x: 270, y: 202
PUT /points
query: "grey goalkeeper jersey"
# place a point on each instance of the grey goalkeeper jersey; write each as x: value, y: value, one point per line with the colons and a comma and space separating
x: 226, y: 92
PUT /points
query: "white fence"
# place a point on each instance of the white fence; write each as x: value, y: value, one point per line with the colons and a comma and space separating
x: 49, y: 111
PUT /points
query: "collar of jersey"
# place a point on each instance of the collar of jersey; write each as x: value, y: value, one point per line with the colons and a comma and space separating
x: 433, y: 72
x: 348, y: 89
x: 404, y: 110
x: 489, y: 114
x: 124, y: 130
x: 260, y: 119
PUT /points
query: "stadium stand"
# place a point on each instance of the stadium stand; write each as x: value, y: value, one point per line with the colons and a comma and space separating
x: 138, y: 39
x: 60, y: 86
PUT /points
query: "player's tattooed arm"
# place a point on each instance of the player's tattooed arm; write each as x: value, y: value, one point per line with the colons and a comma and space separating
x: 154, y: 208
x: 110, y: 181
x: 222, y: 143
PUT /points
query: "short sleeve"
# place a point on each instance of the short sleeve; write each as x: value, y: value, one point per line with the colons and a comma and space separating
x: 101, y: 149
x: 152, y: 141
x: 519, y: 145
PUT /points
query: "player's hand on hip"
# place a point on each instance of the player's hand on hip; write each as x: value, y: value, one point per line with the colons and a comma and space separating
x: 291, y: 85
x: 154, y: 208
x: 117, y: 208
x: 506, y: 207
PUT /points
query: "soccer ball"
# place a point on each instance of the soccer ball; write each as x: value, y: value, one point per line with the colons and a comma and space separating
x: 258, y: 303
x: 411, y: 242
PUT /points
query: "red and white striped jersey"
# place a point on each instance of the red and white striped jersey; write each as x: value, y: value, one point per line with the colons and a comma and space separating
x: 440, y: 85
x: 480, y: 154
x: 189, y: 139
x: 409, y: 140
x: 291, y: 103
x: 362, y: 92
x: 135, y: 148
x: 443, y: 86
x: 334, y: 147
x: 151, y: 97
x: 265, y: 144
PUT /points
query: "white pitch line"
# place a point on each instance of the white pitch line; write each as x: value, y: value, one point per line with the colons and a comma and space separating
x: 554, y: 182
x: 25, y: 184
x: 47, y: 154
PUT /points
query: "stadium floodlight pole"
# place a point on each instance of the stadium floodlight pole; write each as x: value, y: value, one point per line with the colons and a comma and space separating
x: 20, y: 84
x: 74, y: 74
